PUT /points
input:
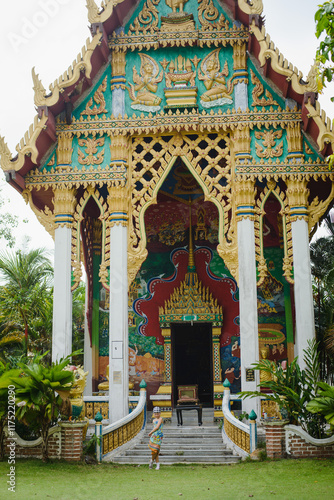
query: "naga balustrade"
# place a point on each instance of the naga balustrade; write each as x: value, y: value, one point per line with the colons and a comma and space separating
x: 120, y: 432
x: 242, y: 436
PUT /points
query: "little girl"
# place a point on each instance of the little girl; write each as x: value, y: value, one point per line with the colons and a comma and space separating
x: 156, y: 436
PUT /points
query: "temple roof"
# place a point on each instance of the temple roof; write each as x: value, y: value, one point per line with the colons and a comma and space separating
x: 79, y: 78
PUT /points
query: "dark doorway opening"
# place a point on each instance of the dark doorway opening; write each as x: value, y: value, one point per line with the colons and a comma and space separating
x: 192, y: 359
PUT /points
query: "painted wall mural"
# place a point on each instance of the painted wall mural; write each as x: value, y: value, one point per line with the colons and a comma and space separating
x: 167, y: 232
x: 274, y: 295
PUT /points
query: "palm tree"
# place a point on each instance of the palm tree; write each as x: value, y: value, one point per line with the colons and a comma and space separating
x: 40, y: 328
x: 78, y: 321
x: 322, y: 268
x: 27, y: 279
x: 11, y: 339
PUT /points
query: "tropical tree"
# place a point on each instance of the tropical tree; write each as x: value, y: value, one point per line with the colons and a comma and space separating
x: 7, y: 223
x: 78, y: 321
x: 27, y: 278
x: 324, y: 403
x: 325, y: 54
x: 293, y: 388
x: 39, y: 392
x: 11, y: 340
x: 322, y: 268
x: 40, y: 328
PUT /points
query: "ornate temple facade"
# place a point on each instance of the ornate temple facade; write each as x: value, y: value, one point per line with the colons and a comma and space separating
x: 181, y: 161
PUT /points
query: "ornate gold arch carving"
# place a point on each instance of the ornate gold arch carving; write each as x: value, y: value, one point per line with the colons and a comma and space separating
x: 253, y: 7
x: 76, y: 240
x: 317, y: 209
x: 193, y: 299
x: 273, y: 188
x: 45, y: 217
x: 207, y: 156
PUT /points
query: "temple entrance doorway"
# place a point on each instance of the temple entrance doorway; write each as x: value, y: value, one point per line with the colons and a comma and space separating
x: 192, y: 359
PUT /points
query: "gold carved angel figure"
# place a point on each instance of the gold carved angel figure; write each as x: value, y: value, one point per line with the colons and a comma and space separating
x: 176, y: 4
x: 146, y: 85
x: 217, y: 93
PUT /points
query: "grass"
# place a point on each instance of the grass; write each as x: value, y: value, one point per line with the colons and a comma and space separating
x: 283, y: 479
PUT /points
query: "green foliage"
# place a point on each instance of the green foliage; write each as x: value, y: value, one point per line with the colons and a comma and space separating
x: 89, y: 447
x: 322, y: 266
x: 78, y: 320
x: 324, y: 26
x: 7, y: 223
x: 293, y: 388
x: 323, y: 403
x: 25, y: 294
x: 243, y: 415
x: 39, y: 391
x: 324, y: 17
x: 5, y: 382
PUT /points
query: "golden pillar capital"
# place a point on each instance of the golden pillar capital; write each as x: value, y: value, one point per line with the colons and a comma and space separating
x: 64, y: 202
x: 118, y: 63
x: 245, y: 198
x: 294, y: 138
x: 166, y: 332
x: 241, y: 141
x: 239, y: 56
x: 64, y: 150
x: 297, y: 194
x: 119, y: 148
x: 119, y: 154
x: 118, y: 203
x: 216, y: 332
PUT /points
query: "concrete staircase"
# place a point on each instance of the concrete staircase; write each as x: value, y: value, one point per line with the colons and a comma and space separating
x: 188, y: 444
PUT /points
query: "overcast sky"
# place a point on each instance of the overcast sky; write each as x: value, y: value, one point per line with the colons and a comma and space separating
x: 48, y: 34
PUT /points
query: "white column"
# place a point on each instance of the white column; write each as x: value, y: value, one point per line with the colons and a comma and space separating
x: 302, y: 288
x: 88, y: 365
x: 241, y: 96
x: 249, y: 340
x: 297, y: 192
x: 118, y: 323
x: 62, y: 295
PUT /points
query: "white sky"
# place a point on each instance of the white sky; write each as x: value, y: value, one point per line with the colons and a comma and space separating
x: 48, y: 34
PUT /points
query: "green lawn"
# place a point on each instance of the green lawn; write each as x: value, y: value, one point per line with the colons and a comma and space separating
x: 285, y: 479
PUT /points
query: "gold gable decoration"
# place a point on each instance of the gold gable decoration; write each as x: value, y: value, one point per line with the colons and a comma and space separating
x: 191, y: 301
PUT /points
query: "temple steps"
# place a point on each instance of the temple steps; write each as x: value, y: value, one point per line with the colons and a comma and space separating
x: 187, y: 444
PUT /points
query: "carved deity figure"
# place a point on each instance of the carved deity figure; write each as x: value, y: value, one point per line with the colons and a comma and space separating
x: 217, y: 92
x: 176, y: 4
x: 145, y: 85
x: 264, y: 375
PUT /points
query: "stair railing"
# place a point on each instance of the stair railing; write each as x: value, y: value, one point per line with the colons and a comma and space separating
x: 243, y: 436
x: 120, y: 432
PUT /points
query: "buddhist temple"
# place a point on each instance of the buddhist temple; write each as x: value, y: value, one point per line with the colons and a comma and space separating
x: 181, y: 162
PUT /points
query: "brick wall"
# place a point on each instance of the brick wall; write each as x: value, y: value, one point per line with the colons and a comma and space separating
x: 284, y: 440
x: 33, y: 451
x: 275, y: 438
x: 72, y: 441
x: 65, y: 442
x: 299, y: 447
